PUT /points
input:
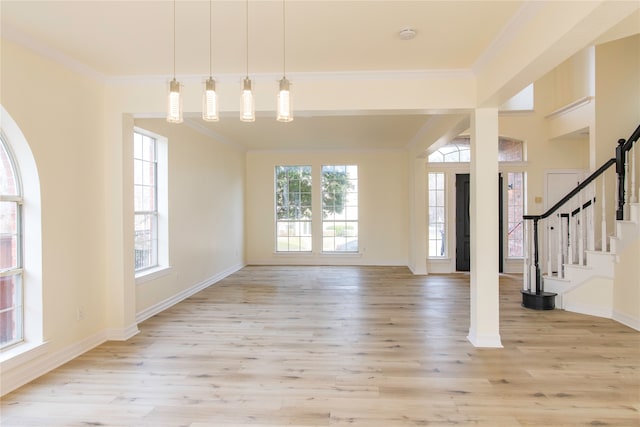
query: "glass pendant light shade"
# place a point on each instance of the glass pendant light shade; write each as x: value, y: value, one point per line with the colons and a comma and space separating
x: 247, y: 106
x: 210, y: 101
x: 285, y: 113
x: 174, y: 108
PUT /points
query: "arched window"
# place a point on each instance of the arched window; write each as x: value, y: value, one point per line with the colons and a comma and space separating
x: 11, y: 277
x: 21, y: 304
x: 459, y: 151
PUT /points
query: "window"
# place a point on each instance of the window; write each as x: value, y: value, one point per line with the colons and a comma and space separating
x: 145, y: 178
x: 293, y: 208
x: 11, y: 291
x: 340, y: 208
x: 515, y: 210
x: 459, y: 151
x: 437, y: 217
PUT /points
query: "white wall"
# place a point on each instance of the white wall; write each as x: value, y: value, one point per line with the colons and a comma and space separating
x: 383, y: 198
x: 60, y: 115
x: 80, y: 133
x: 206, y: 211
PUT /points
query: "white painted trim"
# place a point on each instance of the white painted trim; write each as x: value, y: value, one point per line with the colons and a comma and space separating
x: 625, y: 319
x: 485, y: 341
x: 21, y: 354
x: 152, y: 274
x: 27, y: 372
x: 170, y: 302
x: 456, y: 73
x: 122, y: 334
x: 12, y: 34
x: 570, y: 107
x: 194, y: 124
x: 514, y: 26
x: 587, y: 309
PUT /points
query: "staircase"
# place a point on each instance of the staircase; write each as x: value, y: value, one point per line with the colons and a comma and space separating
x: 588, y: 288
x: 570, y: 256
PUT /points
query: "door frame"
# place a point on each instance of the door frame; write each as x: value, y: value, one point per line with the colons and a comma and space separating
x: 458, y: 238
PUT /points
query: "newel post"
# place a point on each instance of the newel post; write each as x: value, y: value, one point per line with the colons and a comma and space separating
x: 620, y: 170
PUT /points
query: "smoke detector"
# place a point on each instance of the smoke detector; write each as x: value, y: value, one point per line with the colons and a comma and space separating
x: 407, y: 34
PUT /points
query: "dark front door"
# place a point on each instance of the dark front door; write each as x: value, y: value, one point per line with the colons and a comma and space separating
x: 463, y: 223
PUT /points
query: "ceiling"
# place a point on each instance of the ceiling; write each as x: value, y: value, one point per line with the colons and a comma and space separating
x: 134, y: 39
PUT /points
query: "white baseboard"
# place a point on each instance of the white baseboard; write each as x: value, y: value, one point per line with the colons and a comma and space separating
x: 122, y: 334
x: 175, y: 299
x: 625, y: 319
x: 590, y: 310
x: 485, y: 341
x: 30, y: 370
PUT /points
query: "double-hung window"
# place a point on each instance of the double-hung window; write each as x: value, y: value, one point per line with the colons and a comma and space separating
x: 293, y: 208
x: 145, y: 179
x: 340, y: 208
x: 11, y: 273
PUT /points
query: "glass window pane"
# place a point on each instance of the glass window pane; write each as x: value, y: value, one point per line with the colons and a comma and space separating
x: 339, y: 204
x: 9, y: 238
x: 11, y: 311
x: 8, y: 178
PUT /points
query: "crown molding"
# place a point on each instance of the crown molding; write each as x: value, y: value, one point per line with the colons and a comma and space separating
x: 523, y: 15
x: 455, y: 74
x: 11, y: 34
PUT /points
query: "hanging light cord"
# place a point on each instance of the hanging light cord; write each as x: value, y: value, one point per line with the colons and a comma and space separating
x: 247, y: 38
x: 210, y: 48
x: 174, y: 39
x: 284, y: 42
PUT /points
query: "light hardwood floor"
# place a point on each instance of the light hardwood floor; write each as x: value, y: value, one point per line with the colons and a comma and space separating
x: 344, y: 346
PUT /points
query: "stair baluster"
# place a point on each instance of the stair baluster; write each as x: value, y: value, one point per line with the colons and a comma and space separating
x: 604, y: 215
x: 550, y: 232
x: 634, y: 198
x: 559, y: 247
x: 580, y: 230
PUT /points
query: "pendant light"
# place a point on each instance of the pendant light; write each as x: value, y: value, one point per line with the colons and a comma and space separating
x: 209, y: 97
x: 284, y: 108
x: 174, y: 107
x: 247, y: 106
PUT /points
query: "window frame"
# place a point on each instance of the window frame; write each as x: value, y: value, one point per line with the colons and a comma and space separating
x: 509, y: 211
x: 16, y: 271
x: 445, y: 222
x: 162, y: 266
x: 303, y: 222
x: 348, y: 203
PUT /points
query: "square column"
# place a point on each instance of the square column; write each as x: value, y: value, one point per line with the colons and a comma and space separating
x: 485, y: 312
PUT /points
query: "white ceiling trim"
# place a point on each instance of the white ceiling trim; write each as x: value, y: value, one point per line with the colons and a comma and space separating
x: 200, y: 128
x: 451, y: 74
x: 21, y: 39
x: 524, y: 14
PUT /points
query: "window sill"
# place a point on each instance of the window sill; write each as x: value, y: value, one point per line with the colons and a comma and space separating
x: 438, y: 258
x: 322, y: 254
x: 21, y: 354
x: 153, y: 274
x: 342, y: 254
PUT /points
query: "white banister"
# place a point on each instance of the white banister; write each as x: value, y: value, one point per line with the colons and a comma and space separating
x: 559, y: 248
x: 603, y: 197
x: 549, y: 234
x: 634, y: 198
x: 527, y: 258
x: 591, y: 229
x: 571, y: 236
x: 580, y: 230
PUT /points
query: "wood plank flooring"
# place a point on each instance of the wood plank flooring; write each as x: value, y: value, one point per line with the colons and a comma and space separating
x: 344, y: 346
